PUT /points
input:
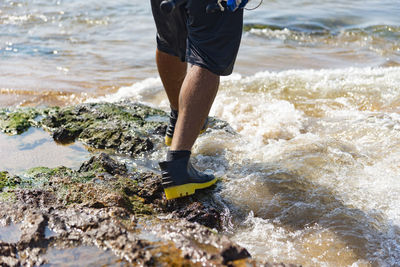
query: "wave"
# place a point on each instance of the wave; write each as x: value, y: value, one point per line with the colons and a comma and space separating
x: 364, y: 88
x: 380, y: 38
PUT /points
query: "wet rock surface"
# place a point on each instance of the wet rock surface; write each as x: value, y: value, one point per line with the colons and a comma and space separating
x: 7, y: 180
x: 105, y: 205
x: 124, y: 127
x: 17, y: 121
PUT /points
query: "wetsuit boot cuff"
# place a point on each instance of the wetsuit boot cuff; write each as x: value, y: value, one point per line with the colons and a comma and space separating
x: 177, y: 154
x: 173, y: 117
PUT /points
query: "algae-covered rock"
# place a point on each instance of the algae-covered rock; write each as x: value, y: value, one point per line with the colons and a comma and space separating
x: 124, y: 127
x: 100, y: 182
x: 39, y: 176
x: 7, y: 180
x: 17, y: 121
x: 103, y: 163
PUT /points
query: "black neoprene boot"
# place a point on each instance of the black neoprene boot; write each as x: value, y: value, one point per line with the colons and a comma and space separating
x: 180, y: 178
x: 173, y: 117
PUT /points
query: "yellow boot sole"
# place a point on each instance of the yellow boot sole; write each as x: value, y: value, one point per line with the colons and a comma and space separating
x: 186, y: 189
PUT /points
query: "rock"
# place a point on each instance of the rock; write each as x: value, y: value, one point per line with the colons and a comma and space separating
x: 32, y: 230
x: 105, y: 205
x: 65, y: 136
x: 124, y: 127
x: 86, y: 208
x: 199, y: 244
x: 37, y: 198
x: 7, y: 180
x: 151, y: 189
x: 8, y: 250
x: 232, y: 252
x: 17, y: 121
x: 197, y: 212
x: 9, y: 262
x: 103, y: 162
x: 8, y: 255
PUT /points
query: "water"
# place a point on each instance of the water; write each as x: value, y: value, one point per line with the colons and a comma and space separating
x: 10, y: 233
x: 37, y: 148
x: 81, y: 256
x: 313, y: 176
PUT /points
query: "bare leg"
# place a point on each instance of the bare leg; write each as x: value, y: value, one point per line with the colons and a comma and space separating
x: 195, y: 100
x: 172, y: 73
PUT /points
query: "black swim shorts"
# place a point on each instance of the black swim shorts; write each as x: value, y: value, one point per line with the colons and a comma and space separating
x: 207, y: 40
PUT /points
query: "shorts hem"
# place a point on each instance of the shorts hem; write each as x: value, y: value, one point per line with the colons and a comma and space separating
x: 205, y: 66
x: 169, y: 51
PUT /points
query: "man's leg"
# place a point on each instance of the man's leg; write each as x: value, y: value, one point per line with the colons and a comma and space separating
x: 197, y: 94
x: 172, y: 73
x: 195, y: 100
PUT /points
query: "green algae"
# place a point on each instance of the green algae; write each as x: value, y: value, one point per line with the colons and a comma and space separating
x: 129, y: 189
x: 92, y: 186
x: 122, y: 127
x: 48, y: 172
x: 7, y: 184
x: 17, y: 121
x: 39, y: 176
x: 8, y: 196
x: 6, y: 180
x: 96, y: 194
x: 3, y: 179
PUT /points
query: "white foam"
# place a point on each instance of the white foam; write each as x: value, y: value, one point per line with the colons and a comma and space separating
x: 331, y: 128
x: 311, y: 246
x: 137, y: 92
x: 273, y: 34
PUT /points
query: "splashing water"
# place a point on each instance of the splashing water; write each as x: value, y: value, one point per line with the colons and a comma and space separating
x: 313, y: 175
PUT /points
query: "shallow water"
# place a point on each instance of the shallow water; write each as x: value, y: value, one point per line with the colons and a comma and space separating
x: 313, y: 176
x: 62, y: 52
x: 81, y: 256
x: 10, y: 233
x: 37, y: 148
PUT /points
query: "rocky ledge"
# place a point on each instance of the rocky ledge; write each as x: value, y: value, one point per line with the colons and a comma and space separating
x: 103, y: 204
